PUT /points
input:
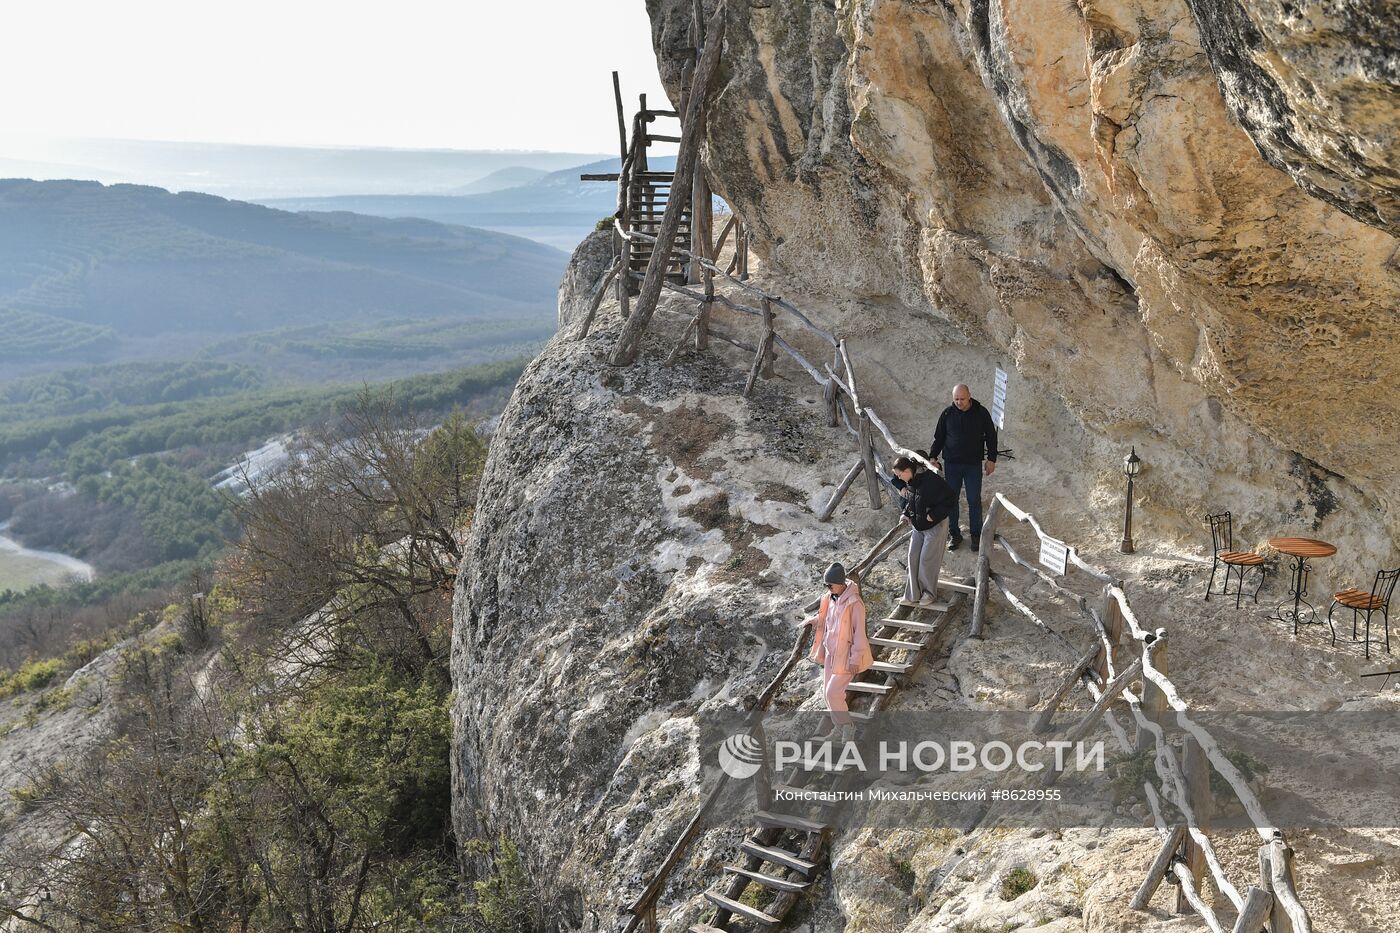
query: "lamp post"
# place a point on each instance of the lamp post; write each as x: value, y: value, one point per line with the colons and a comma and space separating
x: 1132, y: 463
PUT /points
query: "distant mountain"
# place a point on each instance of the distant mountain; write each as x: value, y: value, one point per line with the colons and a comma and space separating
x: 501, y: 178
x: 557, y: 209
x: 82, y: 265
x: 260, y: 172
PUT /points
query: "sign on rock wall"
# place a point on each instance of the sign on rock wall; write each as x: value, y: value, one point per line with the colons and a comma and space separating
x: 999, y: 399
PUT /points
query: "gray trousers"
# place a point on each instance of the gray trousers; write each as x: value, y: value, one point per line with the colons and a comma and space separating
x: 925, y: 560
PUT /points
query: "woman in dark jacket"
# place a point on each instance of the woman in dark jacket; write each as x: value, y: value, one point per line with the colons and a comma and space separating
x: 928, y: 501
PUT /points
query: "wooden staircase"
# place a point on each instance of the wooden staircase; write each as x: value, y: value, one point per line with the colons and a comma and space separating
x: 784, y: 854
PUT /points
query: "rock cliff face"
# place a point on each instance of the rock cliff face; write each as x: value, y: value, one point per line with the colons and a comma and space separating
x: 1069, y: 183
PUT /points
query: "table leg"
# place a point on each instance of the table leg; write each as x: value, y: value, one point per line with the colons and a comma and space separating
x: 1300, y: 590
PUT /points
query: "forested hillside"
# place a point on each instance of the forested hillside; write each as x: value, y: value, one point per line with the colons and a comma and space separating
x: 93, y: 272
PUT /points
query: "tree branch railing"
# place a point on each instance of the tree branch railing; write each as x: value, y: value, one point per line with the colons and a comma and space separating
x: 1187, y: 853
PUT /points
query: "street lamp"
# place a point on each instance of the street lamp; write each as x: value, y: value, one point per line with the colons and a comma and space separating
x: 1132, y: 464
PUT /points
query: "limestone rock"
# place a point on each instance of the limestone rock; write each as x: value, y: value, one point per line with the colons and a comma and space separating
x: 1315, y: 85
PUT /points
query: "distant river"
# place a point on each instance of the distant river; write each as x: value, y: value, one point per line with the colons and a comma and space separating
x: 22, y: 567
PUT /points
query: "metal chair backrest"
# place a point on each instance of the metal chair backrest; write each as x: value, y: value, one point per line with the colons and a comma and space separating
x: 1222, y: 536
x: 1385, y: 585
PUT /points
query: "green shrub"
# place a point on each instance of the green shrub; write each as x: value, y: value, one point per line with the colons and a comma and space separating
x: 904, y: 869
x: 1017, y: 882
x: 504, y: 901
x: 32, y: 675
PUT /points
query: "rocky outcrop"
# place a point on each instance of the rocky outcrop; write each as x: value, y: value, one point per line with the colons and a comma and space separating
x: 587, y: 264
x: 1067, y: 185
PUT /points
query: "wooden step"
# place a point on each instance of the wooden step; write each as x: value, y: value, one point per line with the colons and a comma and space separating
x: 778, y: 856
x: 910, y: 624
x: 941, y: 605
x: 768, y: 881
x: 955, y: 586
x: 890, y: 667
x: 860, y: 686
x: 743, y: 910
x: 801, y: 824
x: 706, y: 928
x: 895, y: 643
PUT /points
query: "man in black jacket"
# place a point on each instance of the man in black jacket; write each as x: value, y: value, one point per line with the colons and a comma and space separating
x: 928, y: 501
x: 964, y: 437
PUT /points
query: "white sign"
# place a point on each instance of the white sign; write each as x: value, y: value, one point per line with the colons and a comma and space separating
x: 1054, y: 555
x: 999, y: 400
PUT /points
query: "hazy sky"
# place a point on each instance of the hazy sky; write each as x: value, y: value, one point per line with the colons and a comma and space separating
x: 527, y: 74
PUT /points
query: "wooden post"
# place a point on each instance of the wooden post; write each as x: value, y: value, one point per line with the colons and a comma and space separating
x: 1154, y: 701
x: 1158, y: 872
x: 701, y: 224
x: 639, y: 135
x: 1042, y: 722
x: 867, y: 455
x: 688, y: 69
x: 681, y: 344
x: 719, y: 241
x: 830, y: 507
x: 1257, y: 905
x: 1280, y: 862
x: 766, y: 347
x: 621, y: 120
x: 763, y: 359
x: 1112, y: 615
x: 629, y: 343
x: 593, y: 305
x: 831, y: 395
x: 624, y: 300
x: 1266, y: 881
x: 702, y: 325
x: 1196, y: 776
x: 984, y: 567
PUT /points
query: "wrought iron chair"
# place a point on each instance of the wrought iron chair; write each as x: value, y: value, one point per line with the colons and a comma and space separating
x: 1359, y: 601
x: 1222, y: 541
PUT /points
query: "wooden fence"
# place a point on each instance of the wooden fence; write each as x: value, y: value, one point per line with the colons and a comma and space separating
x: 1125, y: 652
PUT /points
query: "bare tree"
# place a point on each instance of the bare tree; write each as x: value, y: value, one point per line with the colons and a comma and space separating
x: 359, y: 538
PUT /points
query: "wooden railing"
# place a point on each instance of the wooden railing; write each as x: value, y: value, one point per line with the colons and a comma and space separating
x: 1125, y: 652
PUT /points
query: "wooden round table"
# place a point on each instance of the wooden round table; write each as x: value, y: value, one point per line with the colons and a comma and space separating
x: 1301, y: 550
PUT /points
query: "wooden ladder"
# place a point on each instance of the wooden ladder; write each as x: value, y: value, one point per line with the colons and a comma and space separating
x: 783, y: 855
x: 647, y: 197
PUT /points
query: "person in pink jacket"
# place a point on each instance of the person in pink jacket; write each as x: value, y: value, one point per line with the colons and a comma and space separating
x: 840, y: 645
